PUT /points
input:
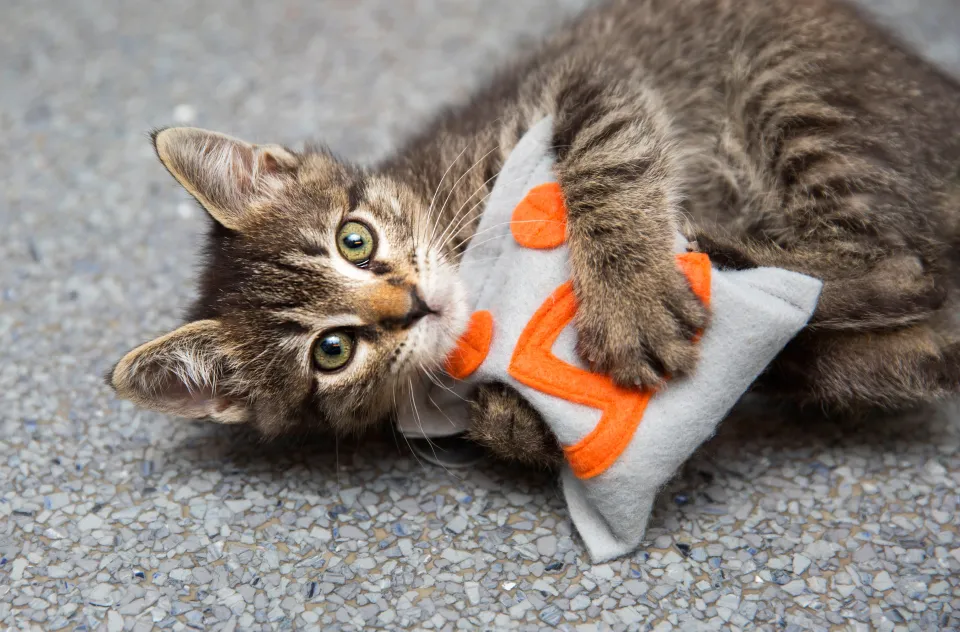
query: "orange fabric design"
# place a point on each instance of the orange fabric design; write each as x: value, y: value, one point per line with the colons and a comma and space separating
x: 540, y: 220
x: 534, y: 365
x: 473, y: 346
x: 696, y: 265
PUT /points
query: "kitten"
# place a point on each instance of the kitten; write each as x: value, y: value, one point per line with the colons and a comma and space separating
x: 772, y: 132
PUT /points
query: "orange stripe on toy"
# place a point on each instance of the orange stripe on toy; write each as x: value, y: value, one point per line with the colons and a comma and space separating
x: 696, y: 265
x: 473, y: 346
x: 534, y: 365
x: 540, y: 219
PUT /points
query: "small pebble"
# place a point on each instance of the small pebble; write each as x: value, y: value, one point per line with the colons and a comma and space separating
x: 795, y: 587
x: 551, y: 615
x: 547, y: 545
x: 882, y: 581
x: 457, y: 525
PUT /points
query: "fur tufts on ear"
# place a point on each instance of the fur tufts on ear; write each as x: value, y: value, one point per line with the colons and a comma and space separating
x: 183, y: 373
x: 224, y: 174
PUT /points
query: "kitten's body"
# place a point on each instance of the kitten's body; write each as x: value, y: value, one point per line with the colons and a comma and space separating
x: 773, y: 133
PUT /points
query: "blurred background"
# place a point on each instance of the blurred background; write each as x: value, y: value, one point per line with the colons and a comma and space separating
x: 112, y: 516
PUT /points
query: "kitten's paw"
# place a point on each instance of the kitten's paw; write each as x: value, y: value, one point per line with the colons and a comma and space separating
x: 725, y: 252
x: 505, y: 423
x: 643, y: 334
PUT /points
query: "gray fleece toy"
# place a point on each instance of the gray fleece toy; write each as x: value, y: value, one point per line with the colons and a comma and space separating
x: 621, y: 445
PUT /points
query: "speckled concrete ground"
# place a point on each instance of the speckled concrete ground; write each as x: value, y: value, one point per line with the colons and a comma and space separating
x: 111, y: 518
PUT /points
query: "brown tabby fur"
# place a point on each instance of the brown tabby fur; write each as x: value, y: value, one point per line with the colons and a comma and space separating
x: 772, y: 132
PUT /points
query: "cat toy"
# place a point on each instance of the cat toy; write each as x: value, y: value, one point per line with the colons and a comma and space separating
x: 621, y: 445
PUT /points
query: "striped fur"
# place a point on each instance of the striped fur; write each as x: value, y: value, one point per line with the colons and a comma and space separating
x: 772, y: 132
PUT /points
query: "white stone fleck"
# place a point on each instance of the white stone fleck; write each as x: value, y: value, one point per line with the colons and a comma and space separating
x: 636, y: 587
x: 939, y: 588
x: 455, y: 556
x: 457, y: 525
x: 366, y: 563
x: 58, y: 500
x: 882, y: 581
x: 17, y: 568
x: 114, y: 621
x: 472, y: 589
x: 629, y: 615
x: 602, y: 571
x: 90, y: 522
x: 545, y: 586
x: 239, y: 505
x: 817, y: 584
x: 547, y: 545
x: 821, y: 550
x: 796, y: 587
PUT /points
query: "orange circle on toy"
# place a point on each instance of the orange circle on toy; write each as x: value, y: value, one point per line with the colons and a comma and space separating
x: 540, y: 219
x: 473, y: 346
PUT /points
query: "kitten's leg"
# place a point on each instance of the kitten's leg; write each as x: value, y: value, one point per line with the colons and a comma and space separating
x: 637, y: 313
x: 851, y: 372
x: 865, y: 287
x: 854, y: 209
x: 503, y: 422
x: 855, y: 214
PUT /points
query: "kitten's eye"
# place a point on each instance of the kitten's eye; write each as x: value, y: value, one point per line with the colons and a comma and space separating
x: 356, y: 243
x: 333, y: 350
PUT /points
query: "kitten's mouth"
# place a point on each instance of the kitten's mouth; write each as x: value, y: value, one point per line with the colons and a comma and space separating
x: 445, y: 314
x: 444, y: 323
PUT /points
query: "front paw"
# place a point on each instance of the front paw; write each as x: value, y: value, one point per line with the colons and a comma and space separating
x: 506, y: 424
x: 642, y: 331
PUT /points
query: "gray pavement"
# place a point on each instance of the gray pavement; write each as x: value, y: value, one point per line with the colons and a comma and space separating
x: 113, y: 518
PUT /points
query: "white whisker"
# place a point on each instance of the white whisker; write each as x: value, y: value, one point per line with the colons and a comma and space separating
x: 462, y: 176
x: 444, y: 177
x: 454, y: 220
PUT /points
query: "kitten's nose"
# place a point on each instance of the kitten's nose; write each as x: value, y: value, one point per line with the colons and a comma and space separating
x: 418, y: 308
x: 398, y: 306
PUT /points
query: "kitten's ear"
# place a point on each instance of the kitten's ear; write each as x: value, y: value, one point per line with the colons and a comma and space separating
x: 224, y: 174
x: 183, y: 373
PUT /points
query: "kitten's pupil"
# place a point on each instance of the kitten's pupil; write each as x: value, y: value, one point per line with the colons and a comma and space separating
x: 332, y: 346
x: 353, y: 241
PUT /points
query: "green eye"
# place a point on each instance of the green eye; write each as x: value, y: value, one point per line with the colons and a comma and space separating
x: 333, y: 350
x: 356, y: 243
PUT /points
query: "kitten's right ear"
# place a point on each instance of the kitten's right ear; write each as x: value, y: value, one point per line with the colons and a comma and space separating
x: 224, y: 174
x: 186, y: 372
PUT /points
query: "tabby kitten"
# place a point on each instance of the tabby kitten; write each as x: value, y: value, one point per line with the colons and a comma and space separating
x: 772, y: 132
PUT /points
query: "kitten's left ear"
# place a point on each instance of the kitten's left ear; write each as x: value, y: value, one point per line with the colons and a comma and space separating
x: 223, y: 173
x: 186, y: 372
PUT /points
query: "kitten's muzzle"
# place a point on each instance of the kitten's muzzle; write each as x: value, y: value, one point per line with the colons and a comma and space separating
x: 401, y: 308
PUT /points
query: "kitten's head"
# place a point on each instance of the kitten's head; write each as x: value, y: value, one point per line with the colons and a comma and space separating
x: 324, y: 293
